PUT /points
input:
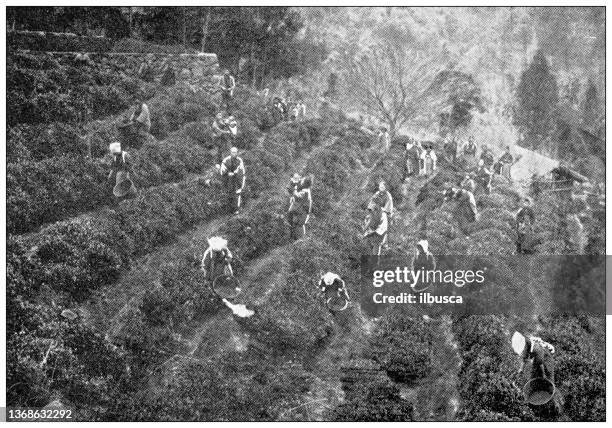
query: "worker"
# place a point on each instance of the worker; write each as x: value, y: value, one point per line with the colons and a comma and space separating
x: 505, y: 161
x: 376, y: 226
x: 119, y: 175
x: 333, y: 282
x: 383, y: 198
x: 145, y: 72
x: 227, y: 84
x: 484, y: 176
x: 300, y: 204
x: 82, y: 58
x: 487, y: 157
x: 232, y: 125
x: 524, y: 221
x: 217, y: 259
x: 221, y: 135
x: 428, y: 160
x: 539, y: 352
x: 384, y: 139
x: 232, y: 169
x: 293, y: 112
x: 301, y: 109
x: 469, y: 153
x: 168, y: 75
x: 467, y: 211
x: 141, y: 118
x: 468, y: 183
x: 280, y: 108
x: 451, y: 147
x: 423, y: 260
x: 412, y: 156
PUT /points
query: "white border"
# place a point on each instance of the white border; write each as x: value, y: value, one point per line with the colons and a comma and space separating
x: 415, y: 3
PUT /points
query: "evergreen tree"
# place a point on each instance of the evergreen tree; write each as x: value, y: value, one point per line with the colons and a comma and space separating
x: 537, y: 99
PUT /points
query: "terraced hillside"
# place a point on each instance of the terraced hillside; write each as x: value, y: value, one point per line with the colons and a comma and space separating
x: 109, y: 312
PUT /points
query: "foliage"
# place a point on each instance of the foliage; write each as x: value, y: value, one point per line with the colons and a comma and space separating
x: 402, y: 345
x: 537, y: 96
x: 376, y: 401
x: 56, y: 42
x: 484, y: 377
x: 44, y: 89
x: 60, y: 187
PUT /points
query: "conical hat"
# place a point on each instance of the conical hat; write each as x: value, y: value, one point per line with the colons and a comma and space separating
x: 115, y: 147
x: 217, y: 243
x: 329, y: 278
x: 518, y: 342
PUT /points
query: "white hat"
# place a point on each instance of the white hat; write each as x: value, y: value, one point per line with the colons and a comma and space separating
x: 217, y: 243
x: 518, y: 343
x: 329, y: 278
x: 423, y: 244
x: 115, y: 147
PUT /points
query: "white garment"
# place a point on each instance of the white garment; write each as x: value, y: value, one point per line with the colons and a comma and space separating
x: 382, y: 227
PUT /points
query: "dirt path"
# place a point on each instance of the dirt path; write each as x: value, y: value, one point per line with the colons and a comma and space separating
x: 435, y: 397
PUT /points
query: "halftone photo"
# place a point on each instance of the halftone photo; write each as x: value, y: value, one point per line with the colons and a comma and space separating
x: 304, y: 214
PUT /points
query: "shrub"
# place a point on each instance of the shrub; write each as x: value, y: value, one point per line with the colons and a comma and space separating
x: 57, y: 91
x: 156, y: 215
x: 55, y: 42
x: 489, y: 241
x: 402, y: 345
x: 376, y: 401
x: 292, y: 317
x: 44, y: 141
x: 63, y: 186
x: 485, y: 374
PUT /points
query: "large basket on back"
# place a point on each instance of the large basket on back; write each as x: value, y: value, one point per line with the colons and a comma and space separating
x: 124, y: 185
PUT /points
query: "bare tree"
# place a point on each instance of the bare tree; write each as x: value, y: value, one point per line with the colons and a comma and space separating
x: 390, y: 83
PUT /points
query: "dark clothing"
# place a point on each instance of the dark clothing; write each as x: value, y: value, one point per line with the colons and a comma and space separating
x: 169, y: 77
x: 215, y: 262
x: 525, y: 214
x: 300, y: 206
x: 542, y: 364
x: 120, y: 176
x: 484, y: 177
x: 412, y: 160
x: 120, y: 162
x: 337, y: 285
x: 470, y: 149
x: 424, y: 260
x: 488, y: 159
x: 146, y: 73
x: 506, y: 158
x: 451, y: 148
x: 466, y: 206
x: 233, y: 183
x: 525, y: 219
x: 222, y: 138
